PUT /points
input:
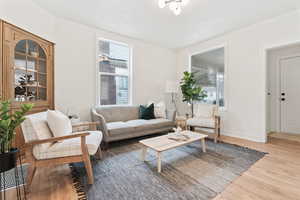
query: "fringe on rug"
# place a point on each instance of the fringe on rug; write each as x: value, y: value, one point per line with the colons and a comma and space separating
x: 77, y: 184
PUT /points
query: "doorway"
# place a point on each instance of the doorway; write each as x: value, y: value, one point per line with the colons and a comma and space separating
x: 283, y: 98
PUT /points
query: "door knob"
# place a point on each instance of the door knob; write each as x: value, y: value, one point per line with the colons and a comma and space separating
x: 282, y: 94
x: 282, y: 99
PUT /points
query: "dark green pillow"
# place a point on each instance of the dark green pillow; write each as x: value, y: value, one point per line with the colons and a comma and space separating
x: 147, y: 112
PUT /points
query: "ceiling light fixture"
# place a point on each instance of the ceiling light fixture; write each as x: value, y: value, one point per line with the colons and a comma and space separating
x: 174, y: 5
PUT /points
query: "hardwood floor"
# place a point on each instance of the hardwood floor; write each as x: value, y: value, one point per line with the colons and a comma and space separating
x: 286, y: 136
x: 275, y: 177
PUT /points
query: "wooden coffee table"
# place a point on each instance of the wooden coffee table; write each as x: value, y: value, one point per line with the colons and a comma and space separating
x: 163, y: 143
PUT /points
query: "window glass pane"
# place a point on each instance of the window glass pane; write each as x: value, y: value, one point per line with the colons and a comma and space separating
x: 113, y: 90
x: 114, y: 59
x: 208, y: 68
x: 42, y: 53
x: 21, y: 46
x: 220, y: 79
x: 31, y: 63
x: 114, y: 67
x: 20, y: 61
x: 32, y: 48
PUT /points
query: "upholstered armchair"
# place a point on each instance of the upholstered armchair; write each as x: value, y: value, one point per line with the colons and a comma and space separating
x: 206, y: 116
x: 42, y: 149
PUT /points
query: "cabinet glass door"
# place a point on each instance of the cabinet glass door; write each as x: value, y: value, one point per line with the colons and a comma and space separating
x: 30, y: 72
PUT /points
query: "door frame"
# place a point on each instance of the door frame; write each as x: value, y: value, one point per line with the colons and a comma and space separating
x: 279, y: 79
x: 265, y: 53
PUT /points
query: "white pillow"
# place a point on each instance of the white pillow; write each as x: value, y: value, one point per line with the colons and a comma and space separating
x: 159, y: 109
x: 59, y: 123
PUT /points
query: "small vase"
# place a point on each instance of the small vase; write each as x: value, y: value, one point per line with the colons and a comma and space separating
x: 8, y: 160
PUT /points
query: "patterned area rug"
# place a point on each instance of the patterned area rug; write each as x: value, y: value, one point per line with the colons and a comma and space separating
x: 187, y: 172
x: 13, y: 177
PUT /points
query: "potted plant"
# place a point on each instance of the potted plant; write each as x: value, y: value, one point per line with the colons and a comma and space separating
x: 191, y: 91
x: 8, y: 123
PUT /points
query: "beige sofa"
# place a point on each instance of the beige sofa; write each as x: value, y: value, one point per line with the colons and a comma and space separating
x: 122, y: 122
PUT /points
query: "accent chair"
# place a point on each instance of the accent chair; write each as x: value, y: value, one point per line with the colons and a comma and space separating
x: 206, y: 116
x: 42, y: 149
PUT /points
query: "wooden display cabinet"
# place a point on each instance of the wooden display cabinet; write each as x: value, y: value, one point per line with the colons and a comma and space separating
x: 26, y: 70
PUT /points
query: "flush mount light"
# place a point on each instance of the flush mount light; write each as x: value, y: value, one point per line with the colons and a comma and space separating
x: 174, y: 5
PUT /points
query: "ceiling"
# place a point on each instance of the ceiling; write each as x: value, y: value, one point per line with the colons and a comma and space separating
x: 143, y: 19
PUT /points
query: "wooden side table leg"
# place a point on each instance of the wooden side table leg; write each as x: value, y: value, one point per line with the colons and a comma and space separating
x: 144, y: 151
x: 203, y: 145
x: 158, y: 162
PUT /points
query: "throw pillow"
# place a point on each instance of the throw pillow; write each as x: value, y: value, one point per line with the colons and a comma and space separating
x: 147, y: 112
x: 159, y: 109
x: 59, y: 123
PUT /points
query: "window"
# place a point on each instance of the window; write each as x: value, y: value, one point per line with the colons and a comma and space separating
x: 114, y: 73
x: 209, y: 73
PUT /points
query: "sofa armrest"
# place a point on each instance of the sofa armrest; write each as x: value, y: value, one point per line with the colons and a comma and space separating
x: 96, y: 117
x: 171, y: 114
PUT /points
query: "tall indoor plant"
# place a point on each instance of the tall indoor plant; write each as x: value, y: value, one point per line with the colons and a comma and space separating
x: 191, y: 91
x: 9, y: 121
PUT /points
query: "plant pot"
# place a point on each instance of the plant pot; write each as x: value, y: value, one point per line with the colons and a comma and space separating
x: 8, y: 160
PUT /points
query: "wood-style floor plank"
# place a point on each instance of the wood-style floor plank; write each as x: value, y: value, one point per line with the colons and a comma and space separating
x: 276, y: 176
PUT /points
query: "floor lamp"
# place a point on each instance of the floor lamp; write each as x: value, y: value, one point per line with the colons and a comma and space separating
x: 172, y: 88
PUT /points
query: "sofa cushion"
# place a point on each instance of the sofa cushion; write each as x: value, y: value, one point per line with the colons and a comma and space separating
x: 140, y: 125
x: 201, y: 122
x: 115, y: 128
x: 118, y: 113
x: 70, y: 147
x: 137, y: 122
x: 147, y: 112
x: 159, y: 109
x: 160, y: 123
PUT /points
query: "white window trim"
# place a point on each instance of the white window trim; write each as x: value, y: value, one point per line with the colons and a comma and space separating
x: 225, y: 46
x: 98, y: 73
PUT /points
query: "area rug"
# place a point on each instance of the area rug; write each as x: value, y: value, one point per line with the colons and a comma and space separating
x: 187, y: 172
x: 13, y: 177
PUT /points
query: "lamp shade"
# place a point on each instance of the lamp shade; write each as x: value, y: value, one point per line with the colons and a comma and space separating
x: 171, y: 87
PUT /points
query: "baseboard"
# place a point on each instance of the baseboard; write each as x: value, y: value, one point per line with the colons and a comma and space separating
x: 245, y: 136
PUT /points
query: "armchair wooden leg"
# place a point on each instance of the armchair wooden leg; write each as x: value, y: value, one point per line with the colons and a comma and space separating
x: 98, y: 154
x: 87, y: 161
x: 30, y: 176
x: 216, y: 135
x: 88, y: 168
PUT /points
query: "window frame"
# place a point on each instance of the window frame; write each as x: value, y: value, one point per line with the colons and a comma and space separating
x: 98, y: 73
x: 225, y: 46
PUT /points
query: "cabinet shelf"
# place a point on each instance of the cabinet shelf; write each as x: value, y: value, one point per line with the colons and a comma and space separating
x: 31, y: 86
x: 30, y: 70
x: 24, y: 69
x: 29, y: 56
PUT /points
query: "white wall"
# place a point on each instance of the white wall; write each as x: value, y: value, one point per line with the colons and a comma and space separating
x: 75, y: 57
x: 245, y: 82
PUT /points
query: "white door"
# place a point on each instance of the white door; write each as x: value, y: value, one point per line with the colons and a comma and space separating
x: 290, y: 95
